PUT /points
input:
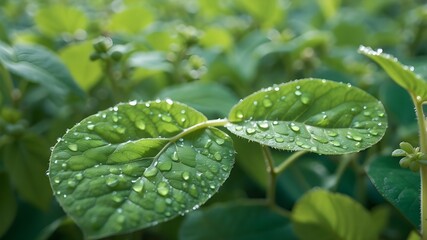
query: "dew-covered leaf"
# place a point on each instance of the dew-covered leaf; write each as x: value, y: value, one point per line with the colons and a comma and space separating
x: 127, y: 167
x: 323, y: 215
x: 401, y: 187
x: 401, y: 74
x: 236, y: 221
x: 310, y: 114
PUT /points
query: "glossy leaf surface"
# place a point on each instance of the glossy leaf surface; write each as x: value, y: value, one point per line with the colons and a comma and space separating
x: 401, y: 74
x: 323, y: 215
x: 236, y: 221
x: 127, y: 168
x: 310, y: 114
x: 401, y: 187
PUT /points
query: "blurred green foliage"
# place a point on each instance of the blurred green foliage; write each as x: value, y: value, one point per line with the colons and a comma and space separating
x: 207, y: 54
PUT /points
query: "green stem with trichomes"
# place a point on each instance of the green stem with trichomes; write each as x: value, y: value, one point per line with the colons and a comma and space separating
x: 271, y: 187
x: 423, y: 168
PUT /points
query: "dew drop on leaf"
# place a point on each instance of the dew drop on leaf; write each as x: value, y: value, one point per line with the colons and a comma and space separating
x: 140, y: 124
x: 73, y: 147
x: 164, y: 166
x: 193, y: 191
x: 138, y: 186
x: 217, y: 156
x: 112, y: 182
x: 185, y: 175
x: 90, y: 126
x: 150, y: 172
x: 79, y: 176
x: 267, y: 103
x: 250, y: 130
x: 279, y: 139
x: 163, y: 189
x: 166, y: 118
x: 263, y: 125
x: 220, y: 141
x: 175, y: 156
x: 294, y: 127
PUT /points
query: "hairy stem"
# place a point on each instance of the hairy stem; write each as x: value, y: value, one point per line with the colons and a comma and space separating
x: 271, y: 188
x: 423, y: 168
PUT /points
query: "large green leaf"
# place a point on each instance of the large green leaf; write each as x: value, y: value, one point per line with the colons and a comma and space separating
x: 209, y: 98
x: 401, y: 187
x: 55, y: 20
x: 401, y: 74
x: 323, y: 215
x: 26, y: 161
x: 77, y: 59
x: 236, y: 221
x: 310, y: 114
x: 124, y: 21
x: 127, y: 167
x: 39, y: 65
x: 7, y: 204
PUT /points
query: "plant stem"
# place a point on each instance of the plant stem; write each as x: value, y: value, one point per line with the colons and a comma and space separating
x: 291, y: 159
x: 209, y: 123
x: 271, y: 188
x: 340, y: 171
x: 7, y: 82
x: 423, y: 168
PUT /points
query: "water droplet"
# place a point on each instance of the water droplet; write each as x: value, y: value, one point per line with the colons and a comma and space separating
x: 71, y: 183
x: 263, y: 125
x: 147, y: 104
x: 193, y: 191
x: 373, y: 132
x: 239, y: 114
x: 64, y: 165
x: 305, y: 99
x: 115, y: 108
x: 294, y: 127
x: 335, y: 143
x: 169, y: 101
x: 175, y: 156
x: 217, y: 156
x: 163, y: 189
x: 166, y: 118
x: 183, y: 119
x: 250, y: 130
x: 279, y: 139
x: 121, y: 130
x: 140, y: 124
x: 150, y: 172
x: 73, y: 147
x: 185, y: 175
x: 220, y: 141
x: 164, y: 166
x: 90, y: 126
x: 79, y: 176
x: 133, y: 102
x: 367, y: 113
x: 255, y: 103
x: 117, y: 198
x: 138, y: 186
x: 112, y: 181
x: 57, y: 180
x: 208, y: 143
x: 267, y: 102
x: 298, y: 93
x: 332, y: 133
x: 115, y: 118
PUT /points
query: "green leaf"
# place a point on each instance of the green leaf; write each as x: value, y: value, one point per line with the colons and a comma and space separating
x: 236, y: 221
x: 124, y: 21
x: 268, y: 12
x: 76, y: 58
x: 310, y: 114
x: 216, y: 37
x: 59, y: 19
x: 39, y: 65
x: 323, y: 215
x: 26, y: 162
x: 137, y: 164
x: 7, y: 204
x: 210, y: 98
x: 401, y: 74
x: 401, y: 187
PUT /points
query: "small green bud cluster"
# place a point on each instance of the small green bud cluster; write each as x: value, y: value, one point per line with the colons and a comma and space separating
x: 104, y: 49
x: 411, y: 157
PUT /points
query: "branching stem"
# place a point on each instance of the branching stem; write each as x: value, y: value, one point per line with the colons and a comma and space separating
x: 271, y: 188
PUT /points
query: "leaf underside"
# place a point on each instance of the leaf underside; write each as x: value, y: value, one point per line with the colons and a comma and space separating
x: 122, y: 169
x: 316, y: 115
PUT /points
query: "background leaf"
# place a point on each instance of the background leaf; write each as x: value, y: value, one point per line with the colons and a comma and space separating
x: 212, y: 99
x: 236, y: 221
x: 26, y: 162
x: 39, y: 65
x: 310, y: 114
x: 399, y: 186
x: 401, y: 74
x: 124, y: 21
x: 8, y: 204
x: 323, y: 215
x: 54, y: 20
x: 121, y: 170
x: 76, y: 58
